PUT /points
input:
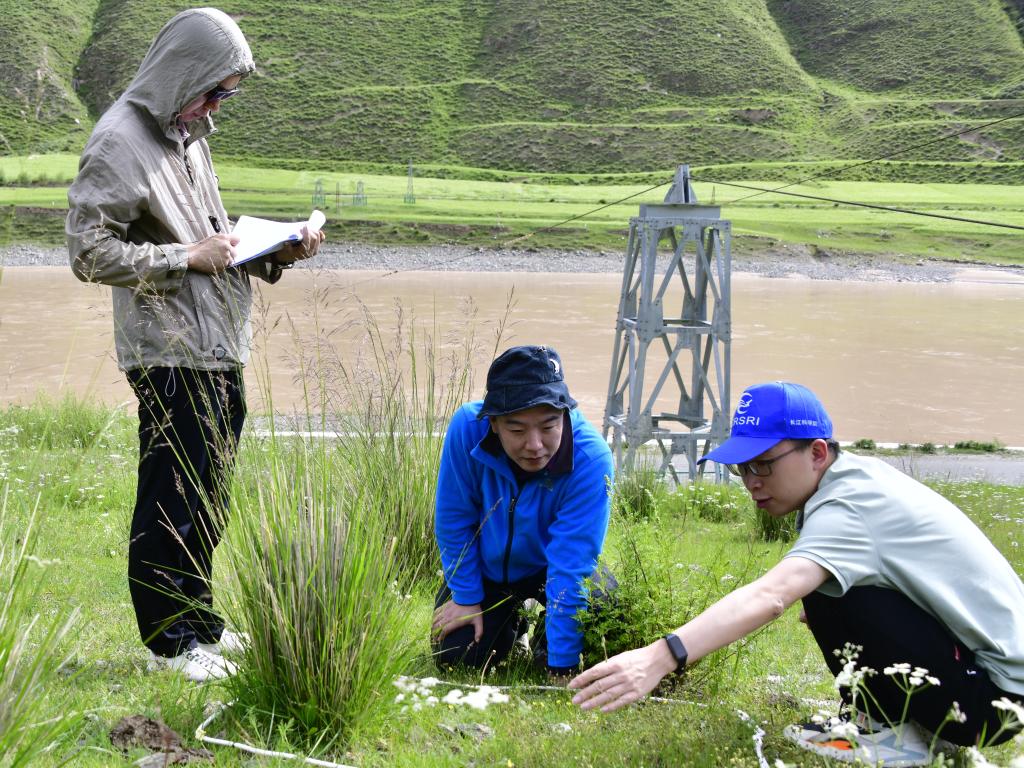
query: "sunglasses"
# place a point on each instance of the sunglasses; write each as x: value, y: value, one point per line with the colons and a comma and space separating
x: 219, y: 94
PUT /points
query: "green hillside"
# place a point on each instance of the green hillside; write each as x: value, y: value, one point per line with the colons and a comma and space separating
x: 40, y: 45
x: 575, y: 86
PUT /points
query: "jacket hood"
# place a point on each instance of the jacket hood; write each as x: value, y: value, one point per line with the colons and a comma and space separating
x: 192, y: 54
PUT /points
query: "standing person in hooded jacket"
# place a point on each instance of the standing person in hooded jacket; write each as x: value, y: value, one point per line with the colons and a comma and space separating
x: 146, y: 218
x: 522, y: 509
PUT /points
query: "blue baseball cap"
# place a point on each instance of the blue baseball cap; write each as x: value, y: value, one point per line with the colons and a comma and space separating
x: 766, y: 415
x: 525, y: 377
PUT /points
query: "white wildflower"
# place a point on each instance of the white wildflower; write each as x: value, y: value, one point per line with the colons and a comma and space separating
x: 977, y: 760
x: 956, y: 714
x: 1013, y: 707
x: 454, y: 696
x: 406, y: 684
x: 903, y: 668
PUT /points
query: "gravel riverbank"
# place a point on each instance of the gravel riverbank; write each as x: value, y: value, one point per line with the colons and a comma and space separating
x: 780, y: 261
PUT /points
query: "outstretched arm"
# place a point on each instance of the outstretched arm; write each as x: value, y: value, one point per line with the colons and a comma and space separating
x: 630, y: 676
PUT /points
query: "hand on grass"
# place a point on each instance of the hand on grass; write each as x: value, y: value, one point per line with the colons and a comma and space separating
x: 622, y: 679
x: 452, y: 616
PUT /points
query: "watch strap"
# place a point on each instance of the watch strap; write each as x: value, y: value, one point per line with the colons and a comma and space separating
x: 678, y: 650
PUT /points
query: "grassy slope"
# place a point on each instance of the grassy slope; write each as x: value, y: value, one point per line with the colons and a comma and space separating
x: 40, y: 45
x: 575, y: 86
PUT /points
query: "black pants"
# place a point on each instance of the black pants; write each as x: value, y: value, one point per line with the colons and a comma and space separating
x: 892, y: 629
x: 502, y: 620
x: 189, y: 425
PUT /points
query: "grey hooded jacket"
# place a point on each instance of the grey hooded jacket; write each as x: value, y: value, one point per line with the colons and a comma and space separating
x: 143, y: 194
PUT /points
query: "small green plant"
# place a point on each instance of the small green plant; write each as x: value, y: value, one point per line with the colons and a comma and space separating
x: 928, y: 448
x: 653, y: 595
x: 864, y: 444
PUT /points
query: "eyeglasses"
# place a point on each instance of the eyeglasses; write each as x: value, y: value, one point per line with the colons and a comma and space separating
x: 219, y: 94
x: 760, y: 467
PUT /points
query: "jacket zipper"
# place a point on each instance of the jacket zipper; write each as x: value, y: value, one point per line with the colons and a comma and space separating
x: 511, y: 532
x: 188, y: 167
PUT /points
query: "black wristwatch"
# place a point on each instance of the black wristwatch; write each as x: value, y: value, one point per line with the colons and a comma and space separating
x: 678, y: 650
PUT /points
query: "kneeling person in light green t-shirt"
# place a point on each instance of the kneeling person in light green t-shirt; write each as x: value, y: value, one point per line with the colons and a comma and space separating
x: 882, y: 563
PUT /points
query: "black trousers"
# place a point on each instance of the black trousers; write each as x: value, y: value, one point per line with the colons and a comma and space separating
x: 189, y: 425
x: 502, y: 620
x: 892, y: 629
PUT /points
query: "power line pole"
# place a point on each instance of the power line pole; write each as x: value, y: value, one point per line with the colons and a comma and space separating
x: 410, y: 198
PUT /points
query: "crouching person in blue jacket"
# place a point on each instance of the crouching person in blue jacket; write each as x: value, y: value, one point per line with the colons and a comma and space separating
x: 523, y: 500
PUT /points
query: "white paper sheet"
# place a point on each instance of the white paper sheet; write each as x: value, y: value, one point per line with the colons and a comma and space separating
x: 258, y: 237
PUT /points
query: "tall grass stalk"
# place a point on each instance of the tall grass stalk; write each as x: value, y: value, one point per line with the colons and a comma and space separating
x: 397, y: 396
x: 31, y: 721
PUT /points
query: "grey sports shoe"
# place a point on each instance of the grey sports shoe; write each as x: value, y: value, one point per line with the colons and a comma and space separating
x: 195, y: 664
x: 899, y: 746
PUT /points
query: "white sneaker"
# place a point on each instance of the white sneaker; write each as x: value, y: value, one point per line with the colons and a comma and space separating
x: 899, y: 746
x: 195, y: 664
x: 230, y: 642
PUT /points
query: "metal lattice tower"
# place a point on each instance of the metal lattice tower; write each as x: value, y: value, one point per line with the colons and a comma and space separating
x: 673, y: 336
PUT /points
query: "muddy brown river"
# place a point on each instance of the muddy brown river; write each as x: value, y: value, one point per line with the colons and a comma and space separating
x: 899, y: 362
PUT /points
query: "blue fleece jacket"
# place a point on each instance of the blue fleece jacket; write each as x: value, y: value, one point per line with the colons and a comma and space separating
x: 487, y: 526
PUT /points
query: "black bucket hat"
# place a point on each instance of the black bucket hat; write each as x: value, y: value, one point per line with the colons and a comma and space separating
x: 525, y: 377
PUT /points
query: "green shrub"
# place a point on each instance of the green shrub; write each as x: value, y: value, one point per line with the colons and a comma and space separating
x: 979, y: 446
x: 639, y: 493
x: 928, y: 448
x: 714, y: 502
x: 316, y: 566
x: 864, y: 444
